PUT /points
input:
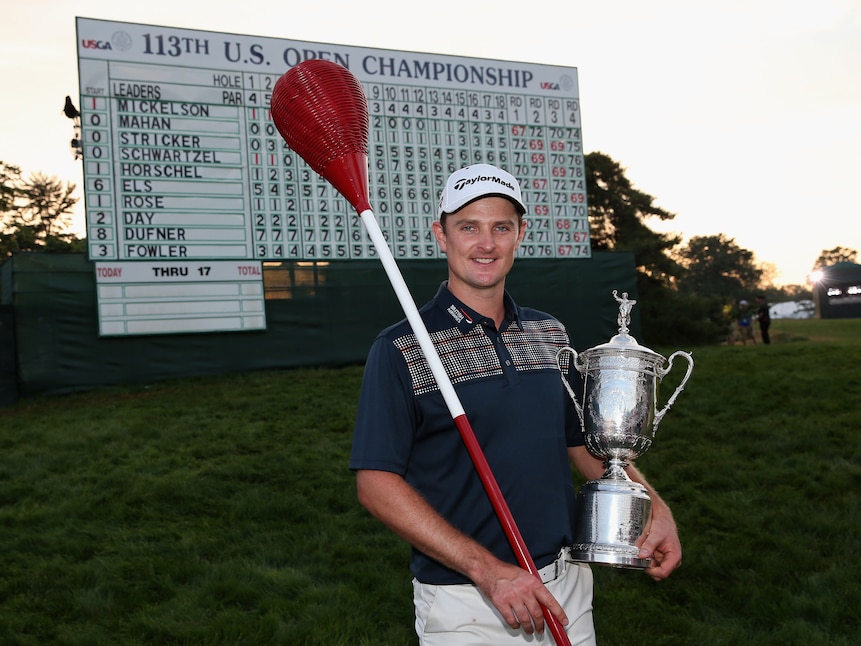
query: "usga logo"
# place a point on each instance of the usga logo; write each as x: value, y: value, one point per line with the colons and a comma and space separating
x: 565, y: 84
x: 95, y: 44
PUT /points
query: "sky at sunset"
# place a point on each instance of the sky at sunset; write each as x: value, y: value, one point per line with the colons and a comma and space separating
x: 741, y: 117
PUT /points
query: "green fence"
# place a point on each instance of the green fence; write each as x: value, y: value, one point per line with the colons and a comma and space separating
x: 316, y: 315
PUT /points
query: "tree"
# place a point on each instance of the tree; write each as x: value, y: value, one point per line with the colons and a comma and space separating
x: 49, y: 205
x: 830, y: 257
x: 35, y: 214
x: 617, y: 218
x: 11, y: 192
x: 788, y: 293
x: 716, y: 266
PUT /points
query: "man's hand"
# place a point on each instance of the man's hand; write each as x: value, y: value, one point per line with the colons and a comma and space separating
x: 519, y: 597
x: 660, y: 541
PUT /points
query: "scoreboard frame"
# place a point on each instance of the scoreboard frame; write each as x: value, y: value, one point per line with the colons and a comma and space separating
x: 184, y: 167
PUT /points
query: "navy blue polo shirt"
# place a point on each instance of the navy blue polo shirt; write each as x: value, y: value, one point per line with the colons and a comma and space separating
x: 514, y: 399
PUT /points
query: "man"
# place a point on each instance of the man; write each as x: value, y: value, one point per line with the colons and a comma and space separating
x: 745, y: 323
x: 414, y: 473
x: 764, y: 318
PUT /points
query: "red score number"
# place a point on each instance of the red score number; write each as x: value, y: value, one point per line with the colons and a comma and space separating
x: 570, y: 250
x: 576, y: 236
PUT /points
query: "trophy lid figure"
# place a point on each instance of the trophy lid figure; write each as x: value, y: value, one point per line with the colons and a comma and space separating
x: 625, y: 307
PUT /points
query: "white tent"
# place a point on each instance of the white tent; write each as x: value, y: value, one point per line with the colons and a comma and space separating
x: 792, y: 310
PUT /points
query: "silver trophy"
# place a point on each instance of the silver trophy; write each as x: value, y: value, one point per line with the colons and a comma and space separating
x: 619, y: 418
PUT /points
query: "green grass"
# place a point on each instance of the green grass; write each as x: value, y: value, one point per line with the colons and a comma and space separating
x: 221, y: 510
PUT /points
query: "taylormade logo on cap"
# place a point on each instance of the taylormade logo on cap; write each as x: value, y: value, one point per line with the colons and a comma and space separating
x: 459, y: 184
x: 475, y: 182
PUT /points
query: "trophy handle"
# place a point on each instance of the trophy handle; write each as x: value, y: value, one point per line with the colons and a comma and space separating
x: 662, y: 372
x: 575, y: 358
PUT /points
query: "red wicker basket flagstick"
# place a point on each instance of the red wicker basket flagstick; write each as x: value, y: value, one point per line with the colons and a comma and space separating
x: 320, y: 109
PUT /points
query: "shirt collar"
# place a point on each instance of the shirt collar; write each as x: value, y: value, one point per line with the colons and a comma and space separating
x: 465, y: 318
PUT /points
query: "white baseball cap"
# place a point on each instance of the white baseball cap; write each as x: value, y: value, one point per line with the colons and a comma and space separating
x: 475, y: 182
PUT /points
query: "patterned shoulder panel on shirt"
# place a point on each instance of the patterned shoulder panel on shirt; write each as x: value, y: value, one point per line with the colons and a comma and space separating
x: 535, y: 346
x: 471, y: 356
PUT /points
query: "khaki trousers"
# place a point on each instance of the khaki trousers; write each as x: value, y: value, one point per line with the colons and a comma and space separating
x: 459, y: 615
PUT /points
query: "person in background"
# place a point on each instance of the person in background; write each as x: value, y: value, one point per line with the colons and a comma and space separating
x: 744, y: 318
x: 414, y: 473
x: 763, y: 318
x: 730, y: 322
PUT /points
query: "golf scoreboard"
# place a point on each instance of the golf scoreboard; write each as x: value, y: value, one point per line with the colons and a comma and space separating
x: 186, y: 174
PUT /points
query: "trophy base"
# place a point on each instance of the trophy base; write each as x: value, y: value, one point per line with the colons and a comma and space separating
x: 611, y: 516
x: 608, y: 555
